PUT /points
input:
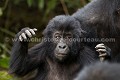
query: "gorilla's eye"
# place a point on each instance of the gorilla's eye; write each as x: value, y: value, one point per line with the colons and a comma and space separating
x: 57, y: 36
x: 68, y: 36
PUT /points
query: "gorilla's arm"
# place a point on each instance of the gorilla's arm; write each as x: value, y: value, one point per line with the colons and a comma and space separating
x: 94, y: 12
x: 24, y: 60
x: 100, y: 19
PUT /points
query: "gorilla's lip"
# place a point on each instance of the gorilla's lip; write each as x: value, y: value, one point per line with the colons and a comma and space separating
x: 61, y: 54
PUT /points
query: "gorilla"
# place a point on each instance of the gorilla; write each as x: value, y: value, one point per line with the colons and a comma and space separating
x: 100, y: 71
x: 101, y: 19
x: 59, y: 57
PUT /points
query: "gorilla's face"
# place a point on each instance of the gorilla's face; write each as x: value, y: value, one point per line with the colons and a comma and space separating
x: 63, y: 29
x: 63, y: 42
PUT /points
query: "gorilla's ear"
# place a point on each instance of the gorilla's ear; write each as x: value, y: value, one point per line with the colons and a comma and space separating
x: 49, y: 28
x: 118, y: 11
x: 83, y: 33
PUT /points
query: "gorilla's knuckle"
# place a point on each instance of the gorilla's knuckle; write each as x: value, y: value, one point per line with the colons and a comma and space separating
x: 24, y: 29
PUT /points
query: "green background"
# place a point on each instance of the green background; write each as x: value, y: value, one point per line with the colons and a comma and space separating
x: 17, y: 14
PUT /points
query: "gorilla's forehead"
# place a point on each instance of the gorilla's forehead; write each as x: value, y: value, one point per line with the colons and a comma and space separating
x: 63, y: 32
x: 63, y: 18
x: 64, y: 23
x: 65, y: 28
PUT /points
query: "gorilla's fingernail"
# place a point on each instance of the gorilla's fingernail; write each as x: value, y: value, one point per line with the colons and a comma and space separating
x: 35, y: 29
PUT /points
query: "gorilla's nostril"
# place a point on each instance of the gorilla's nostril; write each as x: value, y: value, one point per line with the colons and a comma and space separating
x: 62, y: 47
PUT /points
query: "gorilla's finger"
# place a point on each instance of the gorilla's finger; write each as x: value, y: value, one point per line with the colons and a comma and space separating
x: 103, y: 55
x: 32, y: 31
x: 28, y: 33
x: 23, y: 35
x: 35, y: 29
x: 100, y: 45
x: 101, y: 50
x: 20, y: 38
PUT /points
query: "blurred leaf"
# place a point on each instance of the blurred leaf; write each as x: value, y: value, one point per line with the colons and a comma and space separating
x: 4, y: 76
x: 30, y: 2
x: 4, y: 47
x: 0, y: 49
x: 16, y: 1
x: 4, y: 62
x: 7, y: 32
x: 41, y: 4
x: 1, y: 12
x: 51, y: 5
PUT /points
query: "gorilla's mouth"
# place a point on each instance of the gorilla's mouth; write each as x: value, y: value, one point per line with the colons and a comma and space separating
x: 61, y: 54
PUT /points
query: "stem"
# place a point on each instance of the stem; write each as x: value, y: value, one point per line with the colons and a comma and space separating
x: 5, y: 6
x: 64, y: 7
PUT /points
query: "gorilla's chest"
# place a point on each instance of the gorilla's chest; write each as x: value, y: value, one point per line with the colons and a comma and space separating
x: 57, y: 71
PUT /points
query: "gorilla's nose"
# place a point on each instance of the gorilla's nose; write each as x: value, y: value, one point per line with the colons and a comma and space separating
x: 62, y: 46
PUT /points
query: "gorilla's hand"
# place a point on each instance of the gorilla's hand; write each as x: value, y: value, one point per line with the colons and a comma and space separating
x: 26, y: 33
x: 103, y: 51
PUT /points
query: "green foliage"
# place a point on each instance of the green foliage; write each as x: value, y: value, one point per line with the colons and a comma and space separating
x: 1, y: 12
x: 7, y: 32
x: 30, y: 2
x: 51, y: 4
x: 16, y: 14
x: 16, y: 1
x: 4, y: 62
x: 41, y: 4
x: 4, y: 76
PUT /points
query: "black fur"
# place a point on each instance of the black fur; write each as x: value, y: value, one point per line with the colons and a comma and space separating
x: 100, y: 71
x: 101, y: 19
x: 41, y: 56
